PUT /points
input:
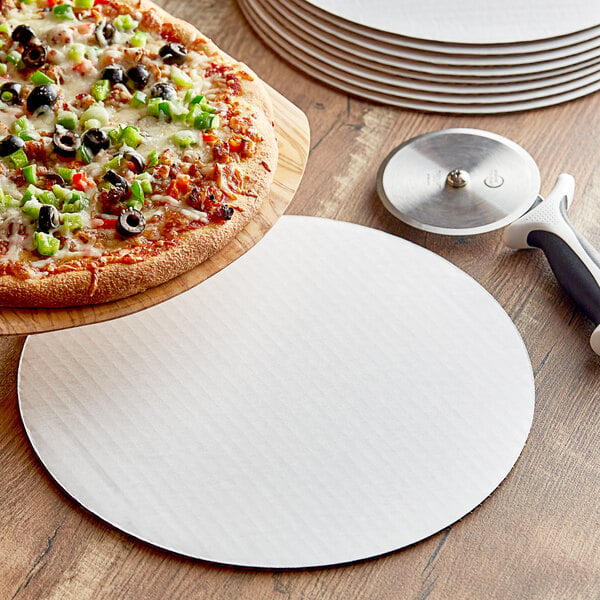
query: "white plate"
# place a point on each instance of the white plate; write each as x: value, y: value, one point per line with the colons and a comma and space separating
x: 393, y: 84
x: 469, y: 21
x: 335, y: 394
x: 334, y: 25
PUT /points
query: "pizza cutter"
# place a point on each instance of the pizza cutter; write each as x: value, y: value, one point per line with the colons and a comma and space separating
x: 468, y: 181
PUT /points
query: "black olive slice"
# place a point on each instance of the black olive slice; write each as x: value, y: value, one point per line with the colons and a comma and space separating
x: 114, y: 74
x: 116, y: 179
x: 163, y: 90
x: 53, y: 178
x: 23, y: 34
x: 49, y: 218
x: 139, y: 75
x: 227, y: 212
x: 10, y: 92
x: 34, y: 56
x: 105, y: 32
x: 96, y: 140
x: 173, y: 53
x: 10, y: 144
x: 42, y: 96
x: 66, y: 143
x: 137, y: 160
x: 131, y: 222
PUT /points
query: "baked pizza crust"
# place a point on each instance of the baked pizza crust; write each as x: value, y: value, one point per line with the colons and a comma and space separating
x: 117, y: 280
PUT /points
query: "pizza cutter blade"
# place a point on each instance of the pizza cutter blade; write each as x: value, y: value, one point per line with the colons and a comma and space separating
x: 458, y: 181
x: 468, y: 181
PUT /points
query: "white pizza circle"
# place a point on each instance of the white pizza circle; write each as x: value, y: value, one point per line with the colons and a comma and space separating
x: 469, y: 21
x: 335, y: 394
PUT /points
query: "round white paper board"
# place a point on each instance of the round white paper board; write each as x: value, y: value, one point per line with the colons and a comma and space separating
x: 331, y: 64
x: 353, y: 31
x: 355, y: 54
x: 469, y: 21
x: 431, y: 64
x: 325, y: 73
x: 268, y: 10
x: 334, y: 394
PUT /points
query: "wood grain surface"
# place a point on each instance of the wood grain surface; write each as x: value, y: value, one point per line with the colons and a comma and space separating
x: 536, y: 537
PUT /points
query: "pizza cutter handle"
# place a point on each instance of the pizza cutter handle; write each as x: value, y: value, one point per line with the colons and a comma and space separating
x: 574, y: 261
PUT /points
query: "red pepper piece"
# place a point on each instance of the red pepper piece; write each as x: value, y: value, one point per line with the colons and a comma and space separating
x: 81, y: 182
x: 180, y: 186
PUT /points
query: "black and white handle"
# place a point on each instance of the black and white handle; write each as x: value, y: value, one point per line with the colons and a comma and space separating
x: 573, y: 260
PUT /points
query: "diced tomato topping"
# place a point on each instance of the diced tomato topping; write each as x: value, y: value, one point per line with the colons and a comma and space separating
x: 235, y: 144
x: 81, y: 182
x: 209, y: 138
x: 107, y: 224
x: 180, y: 186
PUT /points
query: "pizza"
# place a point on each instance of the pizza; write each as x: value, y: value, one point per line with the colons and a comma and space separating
x: 131, y: 149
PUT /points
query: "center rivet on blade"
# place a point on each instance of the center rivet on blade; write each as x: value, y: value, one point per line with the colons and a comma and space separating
x: 458, y: 178
x: 458, y: 181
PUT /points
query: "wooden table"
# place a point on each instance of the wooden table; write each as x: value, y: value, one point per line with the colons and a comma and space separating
x: 537, y: 536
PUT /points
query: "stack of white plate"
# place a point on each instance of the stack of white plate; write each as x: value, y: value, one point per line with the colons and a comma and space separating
x: 468, y: 56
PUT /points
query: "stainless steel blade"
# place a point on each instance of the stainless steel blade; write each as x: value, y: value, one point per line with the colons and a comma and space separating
x: 458, y: 181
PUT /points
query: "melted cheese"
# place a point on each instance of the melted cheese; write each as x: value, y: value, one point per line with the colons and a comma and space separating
x: 158, y: 133
x: 11, y: 227
x: 77, y: 79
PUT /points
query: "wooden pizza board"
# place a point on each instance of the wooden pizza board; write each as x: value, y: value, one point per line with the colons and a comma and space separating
x: 293, y: 134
